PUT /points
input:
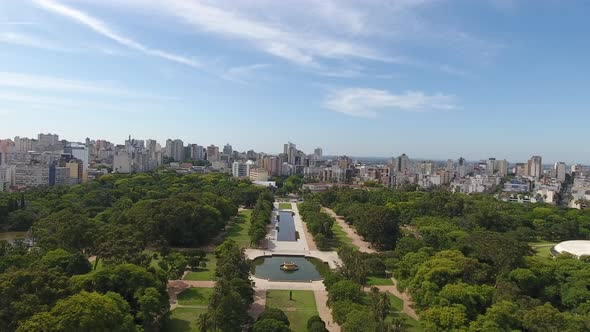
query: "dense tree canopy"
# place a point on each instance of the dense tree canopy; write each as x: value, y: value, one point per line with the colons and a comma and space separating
x: 466, y: 259
x: 129, y: 225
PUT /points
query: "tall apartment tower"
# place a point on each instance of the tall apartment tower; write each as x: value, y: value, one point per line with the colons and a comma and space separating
x: 402, y: 163
x: 535, y: 167
x: 212, y: 153
x: 559, y: 170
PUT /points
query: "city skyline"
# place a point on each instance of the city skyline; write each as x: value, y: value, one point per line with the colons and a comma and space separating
x: 310, y: 151
x: 357, y: 79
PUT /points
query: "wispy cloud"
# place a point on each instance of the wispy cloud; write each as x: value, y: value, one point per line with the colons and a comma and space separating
x: 103, y: 29
x: 294, y: 46
x: 18, y: 23
x: 29, y: 41
x: 43, y: 83
x: 36, y: 102
x: 241, y: 74
x: 364, y: 102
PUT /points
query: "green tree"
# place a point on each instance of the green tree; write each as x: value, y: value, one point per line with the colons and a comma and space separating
x: 84, y: 312
x: 446, y: 318
x: 357, y: 321
x: 274, y: 313
x: 270, y: 325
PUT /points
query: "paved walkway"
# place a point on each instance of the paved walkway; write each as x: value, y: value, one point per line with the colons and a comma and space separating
x: 365, y: 247
x: 357, y: 240
x: 325, y: 313
x: 259, y: 303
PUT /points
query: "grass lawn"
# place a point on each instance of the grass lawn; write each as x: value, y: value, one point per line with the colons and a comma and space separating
x: 285, y: 206
x: 397, y: 304
x: 413, y: 325
x: 376, y: 281
x: 340, y: 238
x: 207, y: 273
x: 238, y: 231
x: 183, y: 320
x: 195, y: 296
x: 542, y: 248
x: 298, y: 310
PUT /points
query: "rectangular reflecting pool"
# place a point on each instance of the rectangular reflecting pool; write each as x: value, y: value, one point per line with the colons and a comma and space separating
x: 286, y: 227
x: 307, y: 268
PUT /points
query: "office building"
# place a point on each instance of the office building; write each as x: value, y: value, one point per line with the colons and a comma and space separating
x: 535, y: 167
x: 559, y: 170
x: 212, y: 153
x: 241, y: 169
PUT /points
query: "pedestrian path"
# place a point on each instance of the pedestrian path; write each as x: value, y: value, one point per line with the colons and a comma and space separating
x: 357, y: 240
x: 364, y: 246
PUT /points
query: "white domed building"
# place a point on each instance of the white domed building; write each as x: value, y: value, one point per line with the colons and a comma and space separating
x: 577, y: 248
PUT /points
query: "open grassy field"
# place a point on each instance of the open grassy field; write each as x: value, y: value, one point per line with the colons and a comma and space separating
x: 542, y: 248
x: 183, y: 320
x: 207, y: 273
x: 376, y: 281
x: 340, y: 238
x: 298, y: 310
x: 285, y: 206
x: 195, y: 297
x: 238, y: 231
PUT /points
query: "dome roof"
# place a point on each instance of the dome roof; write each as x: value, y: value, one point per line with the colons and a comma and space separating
x: 577, y: 247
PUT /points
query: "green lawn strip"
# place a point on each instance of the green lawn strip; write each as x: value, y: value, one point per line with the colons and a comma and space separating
x: 543, y: 248
x: 195, y: 296
x: 340, y: 238
x: 298, y: 310
x: 183, y: 320
x: 413, y: 325
x: 285, y: 206
x: 207, y: 273
x: 238, y: 231
x: 377, y: 281
x: 397, y: 304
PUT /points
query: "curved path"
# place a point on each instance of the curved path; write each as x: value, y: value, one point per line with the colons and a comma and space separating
x: 365, y: 247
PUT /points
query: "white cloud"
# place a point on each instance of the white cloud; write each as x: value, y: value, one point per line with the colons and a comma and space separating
x: 29, y: 41
x: 365, y: 102
x: 39, y: 82
x: 271, y: 37
x: 101, y: 28
x: 47, y: 84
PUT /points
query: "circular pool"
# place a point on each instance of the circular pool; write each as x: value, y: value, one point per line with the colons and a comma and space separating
x: 270, y: 268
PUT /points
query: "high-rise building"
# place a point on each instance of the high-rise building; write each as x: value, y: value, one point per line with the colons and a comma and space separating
x: 212, y: 153
x: 559, y: 170
x: 290, y: 150
x: 241, y: 169
x: 44, y: 141
x: 402, y: 163
x: 497, y: 167
x: 175, y: 150
x: 227, y: 150
x: 23, y: 144
x: 318, y: 153
x: 197, y: 152
x: 535, y: 167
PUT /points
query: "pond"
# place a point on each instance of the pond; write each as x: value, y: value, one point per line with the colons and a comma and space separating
x: 286, y: 226
x: 270, y: 268
x: 12, y: 236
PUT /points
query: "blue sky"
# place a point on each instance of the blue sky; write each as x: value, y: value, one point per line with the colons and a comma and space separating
x: 431, y: 78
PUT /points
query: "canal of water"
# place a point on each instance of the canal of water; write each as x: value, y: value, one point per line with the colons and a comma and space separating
x: 286, y: 226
